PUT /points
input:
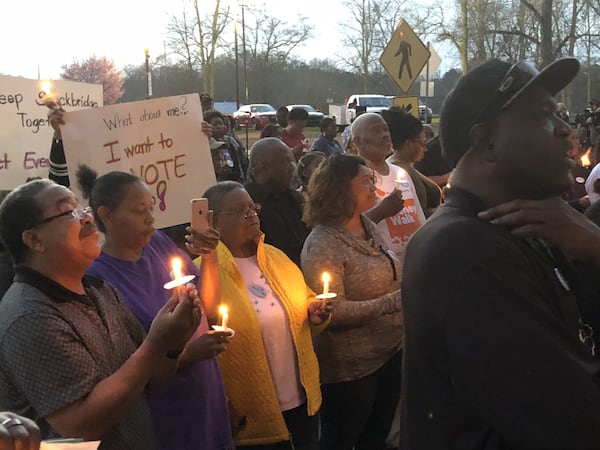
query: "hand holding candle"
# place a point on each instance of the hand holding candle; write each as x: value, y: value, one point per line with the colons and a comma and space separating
x: 326, y: 294
x: 178, y: 278
x: 224, y: 313
x: 49, y: 97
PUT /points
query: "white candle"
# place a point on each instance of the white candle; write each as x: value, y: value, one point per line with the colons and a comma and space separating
x: 179, y: 279
x: 224, y: 316
x: 326, y: 280
x: 49, y: 96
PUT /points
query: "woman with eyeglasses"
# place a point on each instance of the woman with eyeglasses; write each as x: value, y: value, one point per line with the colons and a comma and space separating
x: 360, y: 351
x: 270, y: 369
x: 408, y: 141
x: 190, y: 411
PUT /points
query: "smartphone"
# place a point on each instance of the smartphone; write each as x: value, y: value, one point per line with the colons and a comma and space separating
x: 199, y: 214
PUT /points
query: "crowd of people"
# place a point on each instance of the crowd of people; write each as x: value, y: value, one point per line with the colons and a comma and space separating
x: 403, y: 290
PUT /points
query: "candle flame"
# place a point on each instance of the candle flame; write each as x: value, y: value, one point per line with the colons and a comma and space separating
x: 224, y: 316
x: 46, y: 86
x: 326, y: 278
x: 585, y: 158
x: 176, y: 265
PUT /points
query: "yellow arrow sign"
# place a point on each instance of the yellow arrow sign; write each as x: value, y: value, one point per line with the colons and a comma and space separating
x: 405, y: 56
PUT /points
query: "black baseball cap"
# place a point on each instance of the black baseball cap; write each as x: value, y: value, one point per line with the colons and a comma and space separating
x: 483, y: 93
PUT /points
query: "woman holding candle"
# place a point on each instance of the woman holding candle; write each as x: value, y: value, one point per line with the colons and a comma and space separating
x: 360, y: 351
x: 270, y: 368
x: 190, y: 411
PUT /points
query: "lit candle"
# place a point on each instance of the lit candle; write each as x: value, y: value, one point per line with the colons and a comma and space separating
x: 49, y: 96
x: 176, y: 264
x: 326, y: 280
x: 326, y: 295
x: 178, y: 277
x: 224, y: 316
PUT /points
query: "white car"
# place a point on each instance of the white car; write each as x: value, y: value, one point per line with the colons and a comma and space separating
x: 422, y: 109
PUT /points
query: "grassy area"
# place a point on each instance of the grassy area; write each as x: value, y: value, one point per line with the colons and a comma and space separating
x: 253, y: 135
x: 311, y: 133
x: 435, y: 124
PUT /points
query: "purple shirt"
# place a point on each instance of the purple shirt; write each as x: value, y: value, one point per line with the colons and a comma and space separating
x: 190, y: 412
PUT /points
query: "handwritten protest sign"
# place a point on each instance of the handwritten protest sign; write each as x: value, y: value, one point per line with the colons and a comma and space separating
x: 25, y: 133
x: 159, y: 140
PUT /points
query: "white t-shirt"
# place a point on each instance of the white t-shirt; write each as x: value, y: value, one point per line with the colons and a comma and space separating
x: 398, y: 229
x: 276, y: 335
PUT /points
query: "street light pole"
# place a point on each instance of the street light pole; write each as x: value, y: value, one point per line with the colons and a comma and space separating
x: 244, y: 54
x: 237, y: 67
x: 245, y: 70
x: 148, y: 73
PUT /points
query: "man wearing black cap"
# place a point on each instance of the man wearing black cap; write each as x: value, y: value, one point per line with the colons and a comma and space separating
x: 496, y: 355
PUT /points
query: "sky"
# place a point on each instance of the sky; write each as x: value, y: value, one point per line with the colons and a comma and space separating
x: 40, y: 36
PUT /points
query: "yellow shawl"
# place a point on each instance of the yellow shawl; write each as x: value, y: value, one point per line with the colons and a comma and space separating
x: 244, y: 365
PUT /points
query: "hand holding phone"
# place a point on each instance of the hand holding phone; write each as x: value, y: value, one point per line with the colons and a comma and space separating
x: 199, y: 220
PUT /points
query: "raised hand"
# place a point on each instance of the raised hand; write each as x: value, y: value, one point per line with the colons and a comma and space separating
x: 177, y: 321
x: 551, y: 219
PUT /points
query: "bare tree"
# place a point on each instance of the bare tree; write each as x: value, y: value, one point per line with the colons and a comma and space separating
x: 197, y: 38
x: 359, y: 37
x: 368, y: 31
x: 512, y: 29
x: 270, y: 41
x: 454, y: 31
x: 590, y: 34
x: 180, y: 34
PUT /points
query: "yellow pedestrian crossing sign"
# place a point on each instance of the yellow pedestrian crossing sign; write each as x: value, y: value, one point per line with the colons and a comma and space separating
x: 405, y: 56
x: 408, y: 104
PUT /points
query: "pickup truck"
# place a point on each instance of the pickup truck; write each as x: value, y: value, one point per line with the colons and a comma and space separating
x: 344, y: 114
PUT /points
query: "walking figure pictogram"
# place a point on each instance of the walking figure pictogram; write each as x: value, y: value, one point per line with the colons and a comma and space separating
x: 405, y: 52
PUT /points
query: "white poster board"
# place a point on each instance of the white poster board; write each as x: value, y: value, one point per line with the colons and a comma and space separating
x: 25, y: 133
x: 159, y: 140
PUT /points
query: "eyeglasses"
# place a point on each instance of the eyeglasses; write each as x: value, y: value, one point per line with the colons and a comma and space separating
x: 244, y: 211
x: 515, y: 79
x: 78, y: 213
